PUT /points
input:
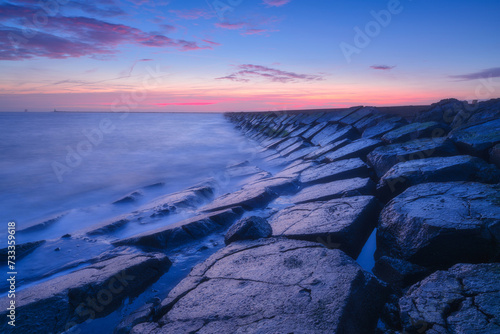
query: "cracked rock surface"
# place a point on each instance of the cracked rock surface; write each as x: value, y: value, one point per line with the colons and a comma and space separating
x: 272, y: 286
x: 464, y: 299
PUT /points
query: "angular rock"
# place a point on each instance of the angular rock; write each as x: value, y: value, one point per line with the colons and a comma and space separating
x: 20, y: 251
x: 344, y: 223
x: 293, y: 148
x: 309, y: 134
x: 337, y: 115
x: 278, y: 185
x: 189, y: 198
x: 346, y: 132
x: 399, y: 273
x: 381, y: 128
x: 92, y: 292
x: 357, y: 149
x: 130, y: 198
x: 185, y: 231
x: 336, y: 189
x: 384, y: 158
x: 301, y: 153
x: 442, y: 112
x: 358, y: 115
x: 273, y: 286
x: 495, y: 155
x: 242, y: 169
x: 368, y: 122
x: 250, y: 228
x: 342, y: 169
x: 477, y: 139
x: 142, y: 314
x: 477, y: 113
x: 415, y: 131
x: 441, y: 169
x: 463, y: 299
x: 249, y: 199
x: 322, y: 138
x: 295, y: 169
x: 327, y: 148
x: 441, y: 224
x: 288, y: 142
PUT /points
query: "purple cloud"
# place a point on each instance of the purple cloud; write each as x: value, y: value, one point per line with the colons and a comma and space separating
x: 248, y: 71
x: 488, y: 73
x: 231, y: 26
x: 276, y: 3
x: 382, y: 67
x: 65, y: 37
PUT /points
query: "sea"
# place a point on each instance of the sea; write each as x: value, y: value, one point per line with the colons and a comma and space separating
x: 55, y: 163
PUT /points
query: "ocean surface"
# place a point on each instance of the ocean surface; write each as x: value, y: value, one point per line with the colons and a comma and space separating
x: 79, y: 163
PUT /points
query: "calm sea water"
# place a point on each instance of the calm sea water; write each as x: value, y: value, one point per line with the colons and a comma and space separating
x: 55, y: 162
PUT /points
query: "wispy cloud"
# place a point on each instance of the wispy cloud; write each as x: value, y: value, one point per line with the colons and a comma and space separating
x: 382, y: 67
x: 211, y: 42
x: 484, y: 74
x: 192, y: 14
x: 231, y: 26
x: 276, y: 3
x: 68, y: 36
x: 186, y: 104
x: 248, y: 71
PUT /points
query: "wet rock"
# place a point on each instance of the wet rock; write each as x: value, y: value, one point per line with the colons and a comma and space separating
x: 346, y: 132
x: 272, y: 143
x: 495, y: 155
x: 322, y: 138
x: 273, y: 286
x: 463, y: 299
x: 295, y: 169
x: 130, y: 198
x: 338, y: 115
x: 477, y: 113
x: 185, y: 231
x: 277, y: 184
x: 92, y: 292
x: 441, y: 224
x: 368, y: 122
x: 44, y: 223
x: 477, y: 139
x: 415, y: 131
x: 287, y: 143
x: 293, y: 148
x: 441, y: 169
x: 21, y: 250
x: 242, y: 169
x: 250, y: 228
x: 444, y: 111
x: 381, y: 128
x: 357, y: 149
x: 359, y: 115
x: 190, y: 198
x: 142, y: 314
x: 344, y: 223
x: 399, y: 273
x: 110, y: 226
x: 383, y: 158
x: 309, y: 134
x: 336, y: 189
x: 301, y: 153
x: 327, y: 148
x: 342, y: 169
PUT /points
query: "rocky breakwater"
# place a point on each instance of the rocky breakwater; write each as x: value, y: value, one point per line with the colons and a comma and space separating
x: 427, y: 182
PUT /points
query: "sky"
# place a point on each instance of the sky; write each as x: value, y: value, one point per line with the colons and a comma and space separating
x: 245, y: 55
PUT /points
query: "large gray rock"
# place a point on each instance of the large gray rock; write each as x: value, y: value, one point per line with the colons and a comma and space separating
x: 384, y: 157
x: 20, y: 250
x: 342, y: 169
x: 335, y: 189
x: 249, y: 199
x: 368, y: 122
x: 309, y: 134
x: 89, y: 293
x: 322, y: 138
x: 357, y: 149
x: 359, y: 115
x: 415, y: 131
x: 447, y: 169
x: 293, y: 148
x: 344, y: 223
x: 463, y: 299
x: 441, y: 224
x: 380, y: 128
x: 477, y: 113
x: 346, y: 132
x: 320, y: 151
x: 185, y: 231
x: 477, y: 139
x: 444, y: 111
x: 272, y: 286
x: 250, y: 228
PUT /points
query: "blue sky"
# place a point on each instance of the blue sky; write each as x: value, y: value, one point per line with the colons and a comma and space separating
x: 256, y: 55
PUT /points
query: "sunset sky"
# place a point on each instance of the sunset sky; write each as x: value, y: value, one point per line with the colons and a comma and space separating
x: 231, y: 55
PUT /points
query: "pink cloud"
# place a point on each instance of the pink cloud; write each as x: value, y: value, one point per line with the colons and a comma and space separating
x: 231, y: 26
x: 211, y: 42
x: 382, y: 67
x: 248, y: 71
x: 186, y: 104
x: 255, y: 32
x: 276, y: 3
